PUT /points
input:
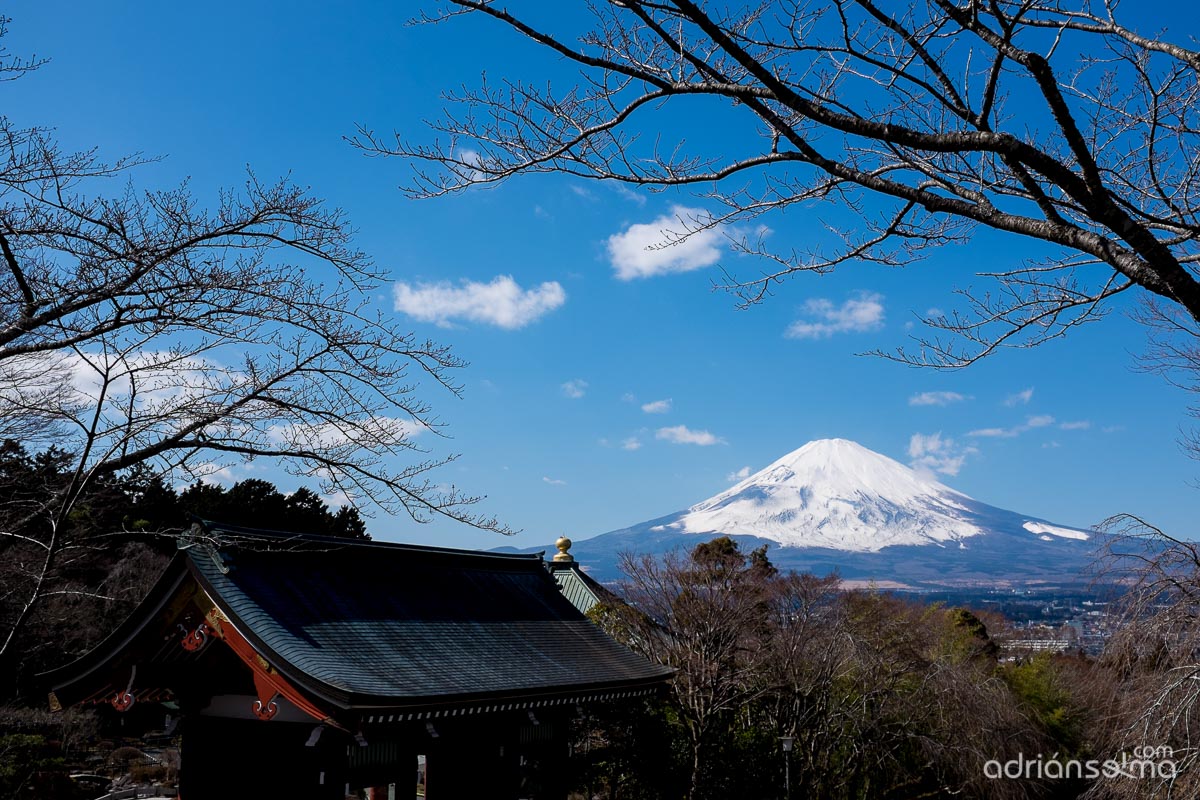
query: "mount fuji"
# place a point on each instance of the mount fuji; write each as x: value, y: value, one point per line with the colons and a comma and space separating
x: 833, y: 505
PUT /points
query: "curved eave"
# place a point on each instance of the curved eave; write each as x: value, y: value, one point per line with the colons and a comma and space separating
x: 61, y: 679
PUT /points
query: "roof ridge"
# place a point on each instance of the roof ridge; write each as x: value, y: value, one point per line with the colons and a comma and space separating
x: 242, y: 532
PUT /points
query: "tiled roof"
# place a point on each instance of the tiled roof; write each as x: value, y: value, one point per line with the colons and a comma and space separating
x: 366, y: 623
x: 580, y: 590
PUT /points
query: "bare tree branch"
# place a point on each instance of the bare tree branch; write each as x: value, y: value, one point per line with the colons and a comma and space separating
x: 911, y: 105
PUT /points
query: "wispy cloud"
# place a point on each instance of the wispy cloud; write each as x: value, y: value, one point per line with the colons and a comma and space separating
x: 664, y: 245
x: 553, y: 481
x: 500, y: 302
x: 629, y: 397
x: 657, y: 407
x: 326, y: 435
x: 1021, y: 398
x: 936, y: 398
x: 629, y: 194
x: 934, y: 453
x: 337, y: 498
x: 472, y: 158
x: 1078, y: 425
x: 682, y: 434
x: 993, y: 432
x: 739, y: 475
x: 212, y: 473
x: 575, y: 389
x: 1039, y: 421
x: 632, y: 443
x: 856, y: 315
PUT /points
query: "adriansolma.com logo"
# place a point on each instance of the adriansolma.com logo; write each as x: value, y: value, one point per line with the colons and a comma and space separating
x: 1142, y: 762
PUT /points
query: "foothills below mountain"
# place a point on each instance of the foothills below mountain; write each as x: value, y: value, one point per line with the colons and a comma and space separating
x: 833, y: 505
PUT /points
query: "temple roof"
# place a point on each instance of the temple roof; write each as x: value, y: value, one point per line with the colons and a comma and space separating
x: 375, y: 625
x: 580, y: 589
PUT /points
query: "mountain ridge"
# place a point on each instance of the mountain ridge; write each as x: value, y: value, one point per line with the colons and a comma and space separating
x: 834, y: 505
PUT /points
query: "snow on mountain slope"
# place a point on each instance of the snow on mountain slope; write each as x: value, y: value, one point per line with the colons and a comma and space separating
x: 838, y: 494
x: 1054, y: 530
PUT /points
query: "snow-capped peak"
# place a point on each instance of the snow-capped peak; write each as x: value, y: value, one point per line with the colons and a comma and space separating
x: 848, y: 466
x: 836, y: 493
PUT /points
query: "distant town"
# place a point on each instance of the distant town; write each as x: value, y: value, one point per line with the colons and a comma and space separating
x: 1056, y: 622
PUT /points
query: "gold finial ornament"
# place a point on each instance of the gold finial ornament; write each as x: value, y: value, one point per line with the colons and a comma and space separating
x: 563, y: 544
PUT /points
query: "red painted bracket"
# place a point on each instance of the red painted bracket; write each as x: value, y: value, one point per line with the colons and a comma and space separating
x: 194, y: 640
x: 123, y: 701
x: 268, y: 683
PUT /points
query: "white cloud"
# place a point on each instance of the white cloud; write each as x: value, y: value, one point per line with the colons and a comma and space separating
x: 472, y: 158
x: 632, y: 443
x: 208, y: 472
x: 575, y: 389
x: 144, y: 377
x: 1021, y: 398
x: 935, y: 398
x: 554, y: 481
x: 328, y: 436
x: 740, y: 475
x: 682, y: 434
x: 628, y: 397
x: 933, y: 453
x: 657, y: 407
x: 1079, y: 425
x: 336, y: 498
x: 134, y: 393
x: 664, y: 245
x: 500, y: 302
x: 856, y: 315
x: 1040, y: 421
x: 629, y: 194
x: 993, y: 432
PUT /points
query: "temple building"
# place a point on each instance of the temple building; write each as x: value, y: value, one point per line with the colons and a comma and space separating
x: 316, y: 667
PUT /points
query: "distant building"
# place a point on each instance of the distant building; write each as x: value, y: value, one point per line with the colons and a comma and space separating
x: 307, y: 666
x: 1042, y: 639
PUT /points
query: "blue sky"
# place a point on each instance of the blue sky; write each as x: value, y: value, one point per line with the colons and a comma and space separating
x: 598, y: 395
